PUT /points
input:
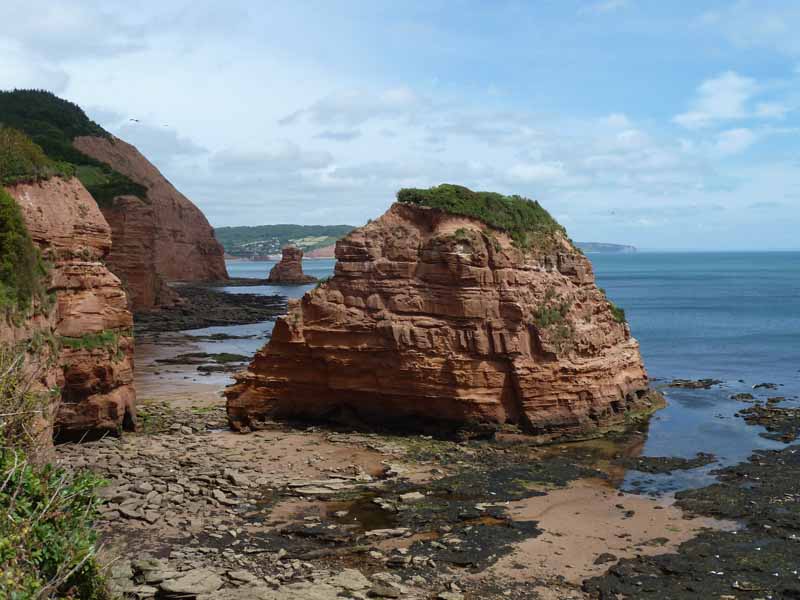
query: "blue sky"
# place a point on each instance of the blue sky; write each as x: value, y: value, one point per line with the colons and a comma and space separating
x: 659, y: 124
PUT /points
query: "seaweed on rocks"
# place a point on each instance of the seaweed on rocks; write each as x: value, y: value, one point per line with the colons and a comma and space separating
x: 781, y: 423
x: 759, y: 560
x: 666, y: 464
x: 208, y: 307
x: 694, y: 384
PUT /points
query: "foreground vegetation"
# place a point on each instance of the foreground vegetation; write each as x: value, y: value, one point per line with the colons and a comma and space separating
x: 525, y: 221
x: 52, y: 124
x: 47, y: 544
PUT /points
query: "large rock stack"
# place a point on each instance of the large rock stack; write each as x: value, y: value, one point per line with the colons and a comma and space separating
x: 434, y: 319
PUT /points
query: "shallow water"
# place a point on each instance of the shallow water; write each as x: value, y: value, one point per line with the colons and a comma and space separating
x: 730, y: 316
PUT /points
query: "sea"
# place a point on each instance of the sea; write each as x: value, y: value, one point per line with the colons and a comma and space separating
x: 730, y: 316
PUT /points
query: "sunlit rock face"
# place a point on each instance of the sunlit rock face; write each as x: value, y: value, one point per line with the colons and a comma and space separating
x: 436, y: 321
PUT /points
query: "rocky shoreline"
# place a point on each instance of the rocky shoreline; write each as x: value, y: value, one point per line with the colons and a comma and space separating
x: 207, y: 306
x: 194, y: 510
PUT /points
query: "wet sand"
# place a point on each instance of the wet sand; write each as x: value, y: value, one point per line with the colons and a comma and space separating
x: 590, y: 518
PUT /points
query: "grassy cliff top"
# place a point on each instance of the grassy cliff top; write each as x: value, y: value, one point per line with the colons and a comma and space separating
x: 525, y: 221
x: 21, y: 159
x: 52, y: 124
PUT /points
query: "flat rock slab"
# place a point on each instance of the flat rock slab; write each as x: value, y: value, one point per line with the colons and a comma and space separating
x: 193, y: 584
x: 295, y: 591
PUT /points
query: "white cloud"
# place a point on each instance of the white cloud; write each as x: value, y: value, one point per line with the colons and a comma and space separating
x: 722, y: 98
x: 288, y: 157
x: 734, y: 141
x: 771, y: 110
x: 531, y: 173
x: 771, y: 24
x: 356, y: 107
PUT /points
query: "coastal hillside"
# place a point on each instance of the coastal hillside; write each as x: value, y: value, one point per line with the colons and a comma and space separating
x: 455, y: 308
x: 158, y: 234
x: 319, y: 241
x: 266, y: 240
x: 604, y: 248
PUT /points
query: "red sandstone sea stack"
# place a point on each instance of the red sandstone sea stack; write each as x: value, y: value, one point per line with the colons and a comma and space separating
x: 290, y: 268
x: 434, y: 318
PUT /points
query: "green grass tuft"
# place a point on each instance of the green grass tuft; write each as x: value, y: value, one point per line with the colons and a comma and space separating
x: 618, y: 313
x: 528, y: 224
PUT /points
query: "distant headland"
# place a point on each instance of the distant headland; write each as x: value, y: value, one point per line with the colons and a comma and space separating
x: 261, y: 242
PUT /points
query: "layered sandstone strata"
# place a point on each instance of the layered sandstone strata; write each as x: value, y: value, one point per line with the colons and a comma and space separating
x: 163, y: 237
x: 290, y: 268
x: 439, y: 319
x: 90, y: 327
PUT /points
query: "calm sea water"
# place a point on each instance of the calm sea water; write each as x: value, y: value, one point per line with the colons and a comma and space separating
x: 728, y: 316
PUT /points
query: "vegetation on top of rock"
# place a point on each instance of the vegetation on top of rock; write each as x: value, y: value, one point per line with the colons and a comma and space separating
x: 22, y: 160
x: 22, y: 271
x: 618, y: 313
x: 526, y: 222
x: 53, y: 123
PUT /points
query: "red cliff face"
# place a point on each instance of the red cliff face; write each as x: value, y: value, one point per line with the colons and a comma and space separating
x: 290, y: 268
x: 162, y: 238
x: 434, y: 318
x: 90, y: 325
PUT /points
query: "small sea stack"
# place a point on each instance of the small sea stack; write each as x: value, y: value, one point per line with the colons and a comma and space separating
x: 290, y: 268
x: 454, y: 309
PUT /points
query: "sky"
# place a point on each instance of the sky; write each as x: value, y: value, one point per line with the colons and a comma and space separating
x: 666, y: 125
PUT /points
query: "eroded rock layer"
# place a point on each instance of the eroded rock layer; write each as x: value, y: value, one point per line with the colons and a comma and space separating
x: 290, y: 268
x: 161, y: 238
x: 438, y: 319
x: 90, y: 326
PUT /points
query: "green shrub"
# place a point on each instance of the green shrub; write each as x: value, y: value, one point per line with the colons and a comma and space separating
x: 108, y: 339
x: 546, y: 316
x: 23, y: 275
x: 47, y: 544
x: 23, y: 406
x: 21, y: 160
x: 526, y: 222
x: 618, y: 313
